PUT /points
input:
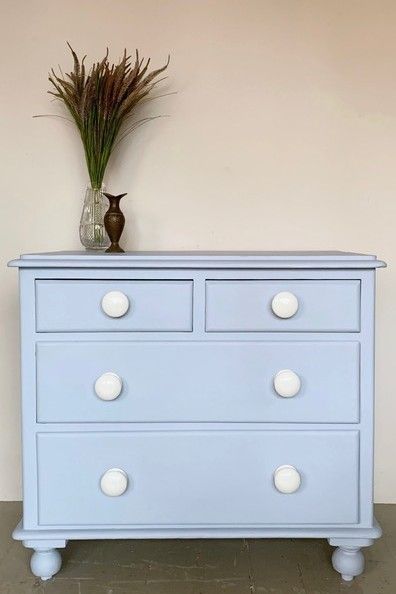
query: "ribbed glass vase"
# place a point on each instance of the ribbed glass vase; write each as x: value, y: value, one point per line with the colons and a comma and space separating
x: 93, y: 234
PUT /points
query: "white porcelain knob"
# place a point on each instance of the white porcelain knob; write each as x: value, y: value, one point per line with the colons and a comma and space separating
x: 115, y: 304
x: 287, y: 383
x: 284, y: 304
x: 114, y: 482
x: 108, y: 386
x: 287, y: 479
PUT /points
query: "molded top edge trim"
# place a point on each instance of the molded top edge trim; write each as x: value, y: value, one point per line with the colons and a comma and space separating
x: 199, y: 259
x: 278, y: 255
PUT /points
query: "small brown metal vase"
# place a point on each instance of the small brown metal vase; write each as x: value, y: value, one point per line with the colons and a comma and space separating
x: 114, y: 222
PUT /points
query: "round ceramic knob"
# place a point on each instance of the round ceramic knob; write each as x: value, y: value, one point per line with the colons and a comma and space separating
x: 287, y: 479
x: 284, y: 304
x: 287, y: 383
x: 115, y: 304
x: 108, y: 386
x: 114, y: 482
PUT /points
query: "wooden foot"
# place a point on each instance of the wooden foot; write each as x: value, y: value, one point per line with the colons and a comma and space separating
x: 45, y: 563
x: 348, y: 561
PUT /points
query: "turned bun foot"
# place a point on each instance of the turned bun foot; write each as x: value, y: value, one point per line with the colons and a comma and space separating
x: 348, y: 561
x: 45, y: 563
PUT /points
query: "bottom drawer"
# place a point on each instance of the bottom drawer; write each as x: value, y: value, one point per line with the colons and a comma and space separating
x: 197, y: 477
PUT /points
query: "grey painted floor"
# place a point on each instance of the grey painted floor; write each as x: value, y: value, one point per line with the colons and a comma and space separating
x: 198, y: 566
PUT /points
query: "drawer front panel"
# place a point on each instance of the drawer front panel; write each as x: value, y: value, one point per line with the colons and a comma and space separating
x: 247, y: 306
x: 76, y: 306
x: 197, y: 381
x: 220, y: 477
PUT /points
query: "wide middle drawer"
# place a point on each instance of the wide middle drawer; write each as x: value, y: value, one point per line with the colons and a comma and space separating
x: 198, y: 381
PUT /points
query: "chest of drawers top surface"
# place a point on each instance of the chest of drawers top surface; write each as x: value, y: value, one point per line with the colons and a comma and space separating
x: 199, y: 259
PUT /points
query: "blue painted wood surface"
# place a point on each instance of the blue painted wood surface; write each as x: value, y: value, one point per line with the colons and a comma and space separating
x: 324, y: 306
x: 198, y: 420
x: 196, y: 381
x: 200, y: 259
x: 198, y: 477
x: 75, y: 306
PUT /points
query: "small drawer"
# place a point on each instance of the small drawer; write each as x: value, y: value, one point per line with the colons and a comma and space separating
x: 172, y: 381
x: 288, y: 306
x: 100, y: 306
x: 198, y: 478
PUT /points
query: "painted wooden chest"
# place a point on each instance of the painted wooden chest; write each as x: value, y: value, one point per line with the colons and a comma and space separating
x: 197, y: 395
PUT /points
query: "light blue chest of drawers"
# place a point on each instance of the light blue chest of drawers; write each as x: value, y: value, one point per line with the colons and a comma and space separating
x: 197, y: 395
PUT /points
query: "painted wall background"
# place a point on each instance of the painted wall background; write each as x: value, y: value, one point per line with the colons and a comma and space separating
x: 282, y: 135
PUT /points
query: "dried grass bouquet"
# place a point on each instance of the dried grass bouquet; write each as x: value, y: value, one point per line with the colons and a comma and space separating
x: 102, y: 101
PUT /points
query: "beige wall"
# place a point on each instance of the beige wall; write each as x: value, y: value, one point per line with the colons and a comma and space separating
x: 282, y: 136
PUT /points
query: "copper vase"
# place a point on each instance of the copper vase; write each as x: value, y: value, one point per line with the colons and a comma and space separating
x: 114, y: 221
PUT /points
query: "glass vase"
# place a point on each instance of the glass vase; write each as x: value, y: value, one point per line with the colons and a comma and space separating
x: 93, y: 234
